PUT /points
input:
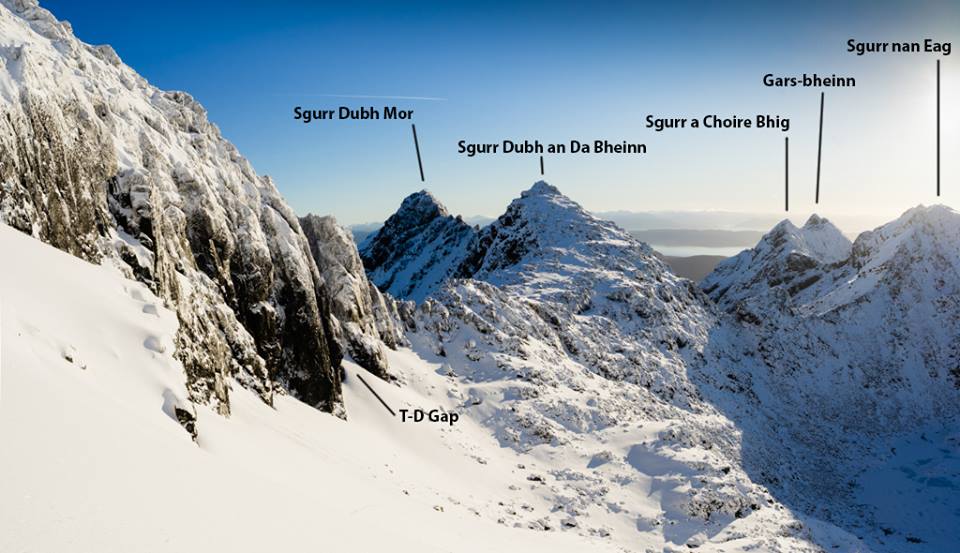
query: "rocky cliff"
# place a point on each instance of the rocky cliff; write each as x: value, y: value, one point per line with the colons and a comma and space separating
x: 97, y: 162
x: 367, y: 319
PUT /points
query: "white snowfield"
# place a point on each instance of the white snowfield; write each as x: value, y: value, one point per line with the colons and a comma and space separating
x: 573, y: 344
x: 92, y: 458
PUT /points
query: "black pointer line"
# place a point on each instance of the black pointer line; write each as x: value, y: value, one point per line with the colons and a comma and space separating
x: 819, y: 150
x: 541, y: 166
x: 376, y: 395
x: 786, y: 173
x: 938, y: 128
x: 416, y: 144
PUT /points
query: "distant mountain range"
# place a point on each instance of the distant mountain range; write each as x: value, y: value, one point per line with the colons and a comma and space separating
x: 727, y: 220
x: 704, y: 244
x: 732, y: 221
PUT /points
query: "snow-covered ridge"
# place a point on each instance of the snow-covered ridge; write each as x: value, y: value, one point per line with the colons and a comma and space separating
x: 928, y: 228
x: 96, y: 161
x: 840, y: 358
x: 787, y: 258
x: 548, y: 298
x: 823, y: 241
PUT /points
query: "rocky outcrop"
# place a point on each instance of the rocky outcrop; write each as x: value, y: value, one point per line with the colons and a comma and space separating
x: 417, y: 249
x: 96, y: 161
x: 368, y: 320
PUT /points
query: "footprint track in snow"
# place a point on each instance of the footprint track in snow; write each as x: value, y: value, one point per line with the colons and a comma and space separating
x: 155, y: 344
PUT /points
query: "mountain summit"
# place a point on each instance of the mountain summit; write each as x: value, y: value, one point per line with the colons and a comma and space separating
x: 541, y: 188
x: 417, y: 248
x: 787, y: 258
x: 543, y: 225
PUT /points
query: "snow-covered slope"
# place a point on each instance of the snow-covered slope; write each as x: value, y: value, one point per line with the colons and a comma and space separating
x: 417, y: 248
x: 828, y: 362
x: 570, y: 341
x: 95, y: 459
x: 96, y: 456
x: 99, y: 163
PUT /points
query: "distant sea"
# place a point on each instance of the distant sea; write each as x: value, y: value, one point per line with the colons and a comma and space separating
x: 687, y: 251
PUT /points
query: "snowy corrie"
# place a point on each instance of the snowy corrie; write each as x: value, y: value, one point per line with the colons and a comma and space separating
x: 560, y: 330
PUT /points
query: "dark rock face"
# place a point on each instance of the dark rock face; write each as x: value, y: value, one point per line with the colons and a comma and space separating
x: 46, y: 175
x: 110, y: 169
x: 417, y: 249
x: 368, y: 320
x: 512, y: 236
x: 187, y: 420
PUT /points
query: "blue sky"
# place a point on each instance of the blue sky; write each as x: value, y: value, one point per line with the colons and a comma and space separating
x: 554, y: 71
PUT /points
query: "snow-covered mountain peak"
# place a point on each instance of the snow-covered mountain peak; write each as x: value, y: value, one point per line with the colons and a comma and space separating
x: 787, y: 258
x: 416, y: 212
x: 541, y: 188
x: 417, y: 248
x: 936, y: 212
x: 544, y: 225
x: 921, y: 232
x: 818, y: 238
x: 423, y: 205
x: 545, y: 206
x: 784, y: 226
x: 543, y: 200
x: 814, y: 221
x: 936, y: 220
